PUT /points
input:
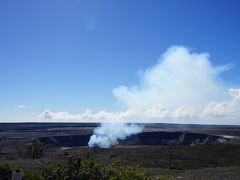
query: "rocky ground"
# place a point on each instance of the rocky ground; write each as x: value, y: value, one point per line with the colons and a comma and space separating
x: 217, y: 160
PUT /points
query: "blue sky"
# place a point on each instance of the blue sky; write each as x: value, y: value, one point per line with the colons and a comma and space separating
x: 68, y: 55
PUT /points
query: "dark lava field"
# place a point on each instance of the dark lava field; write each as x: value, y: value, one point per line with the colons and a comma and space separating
x: 202, y: 151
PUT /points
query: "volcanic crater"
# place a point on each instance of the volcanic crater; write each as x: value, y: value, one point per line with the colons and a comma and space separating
x: 144, y: 138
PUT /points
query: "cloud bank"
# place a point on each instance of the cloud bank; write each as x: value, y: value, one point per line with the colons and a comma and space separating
x: 183, y: 87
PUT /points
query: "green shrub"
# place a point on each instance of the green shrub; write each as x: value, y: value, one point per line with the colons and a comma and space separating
x: 164, y: 178
x: 89, y: 170
x: 36, y: 150
x: 118, y: 170
x: 5, y: 172
x: 74, y: 169
x: 32, y: 175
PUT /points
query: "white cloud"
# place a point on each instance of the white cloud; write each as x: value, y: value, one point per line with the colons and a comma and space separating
x: 180, y: 78
x: 20, y: 107
x: 183, y: 87
x: 184, y: 112
x: 229, y: 110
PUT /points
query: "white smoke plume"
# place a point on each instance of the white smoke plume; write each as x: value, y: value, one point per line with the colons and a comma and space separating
x: 108, y: 135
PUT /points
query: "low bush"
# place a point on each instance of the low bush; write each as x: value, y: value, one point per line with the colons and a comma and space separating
x: 89, y: 170
x: 36, y: 150
x: 32, y: 175
x: 5, y: 171
x: 164, y: 178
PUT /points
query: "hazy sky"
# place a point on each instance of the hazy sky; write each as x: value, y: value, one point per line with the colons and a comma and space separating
x: 59, y: 56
